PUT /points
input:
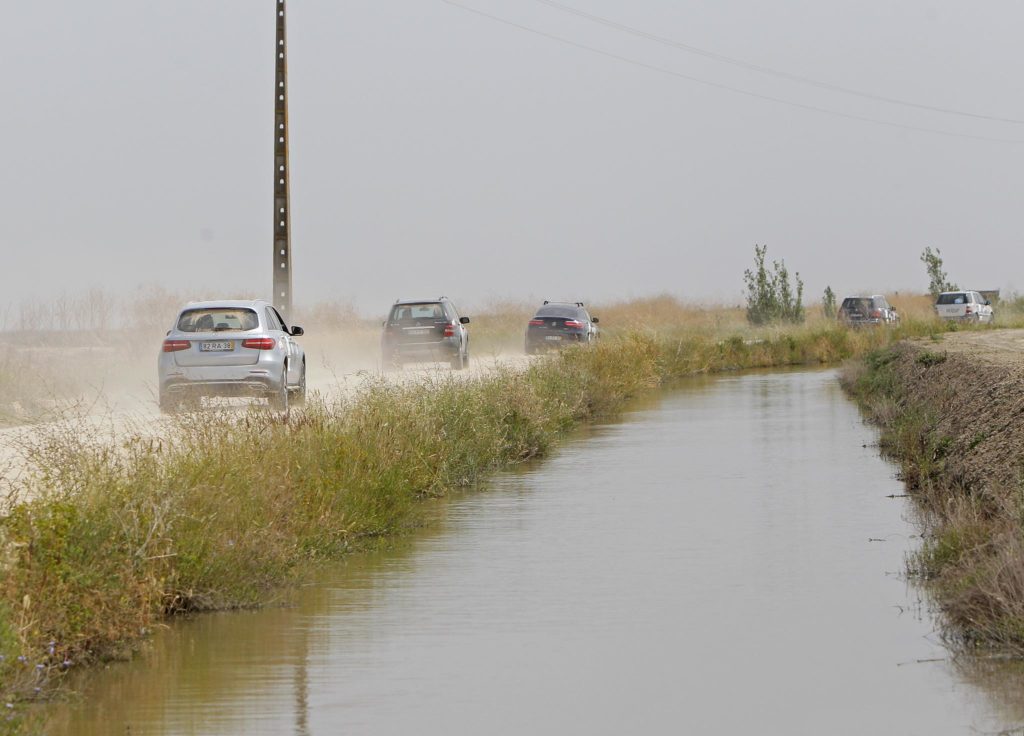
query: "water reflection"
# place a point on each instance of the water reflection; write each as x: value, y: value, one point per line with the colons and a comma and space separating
x: 704, y: 567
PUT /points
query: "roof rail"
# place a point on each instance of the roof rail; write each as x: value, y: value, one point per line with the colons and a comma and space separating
x: 546, y: 301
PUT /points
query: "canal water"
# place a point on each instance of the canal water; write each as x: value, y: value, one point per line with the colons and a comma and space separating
x: 724, y: 560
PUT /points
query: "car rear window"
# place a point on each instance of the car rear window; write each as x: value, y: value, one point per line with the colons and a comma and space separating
x: 217, y: 318
x: 953, y: 298
x: 412, y: 313
x: 558, y: 312
x: 852, y: 302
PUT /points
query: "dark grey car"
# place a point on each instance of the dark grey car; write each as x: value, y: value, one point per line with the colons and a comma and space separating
x: 425, y: 330
x: 867, y: 310
x: 560, y: 323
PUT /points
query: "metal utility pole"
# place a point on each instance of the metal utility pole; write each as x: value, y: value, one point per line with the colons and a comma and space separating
x: 282, y: 298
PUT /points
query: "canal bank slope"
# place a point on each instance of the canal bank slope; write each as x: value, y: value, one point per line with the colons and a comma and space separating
x: 950, y: 412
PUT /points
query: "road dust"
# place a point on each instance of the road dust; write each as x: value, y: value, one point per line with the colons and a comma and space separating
x: 100, y: 382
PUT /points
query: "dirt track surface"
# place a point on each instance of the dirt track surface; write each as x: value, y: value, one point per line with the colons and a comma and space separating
x: 996, y: 347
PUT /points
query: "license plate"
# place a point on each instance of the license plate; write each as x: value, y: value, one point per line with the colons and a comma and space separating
x: 553, y: 337
x: 420, y: 331
x: 222, y: 346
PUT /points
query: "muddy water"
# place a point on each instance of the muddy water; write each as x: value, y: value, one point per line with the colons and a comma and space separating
x: 709, y: 565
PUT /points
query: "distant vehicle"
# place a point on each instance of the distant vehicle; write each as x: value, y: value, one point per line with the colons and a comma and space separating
x: 965, y: 306
x: 425, y: 330
x: 231, y: 348
x: 867, y: 310
x: 560, y: 323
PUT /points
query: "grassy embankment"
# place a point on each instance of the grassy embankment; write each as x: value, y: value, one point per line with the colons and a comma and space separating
x: 952, y: 424
x: 227, y: 511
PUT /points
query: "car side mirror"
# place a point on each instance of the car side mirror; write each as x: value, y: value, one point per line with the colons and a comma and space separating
x: 988, y: 302
x: 297, y: 331
x: 595, y: 320
x: 464, y: 320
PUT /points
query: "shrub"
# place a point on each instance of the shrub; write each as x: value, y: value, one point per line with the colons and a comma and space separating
x: 770, y: 295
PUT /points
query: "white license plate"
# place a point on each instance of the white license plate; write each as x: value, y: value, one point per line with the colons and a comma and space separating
x: 554, y: 338
x: 222, y: 346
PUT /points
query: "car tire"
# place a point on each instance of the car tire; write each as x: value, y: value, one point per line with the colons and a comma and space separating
x: 169, y: 404
x: 278, y: 398
x: 298, y: 397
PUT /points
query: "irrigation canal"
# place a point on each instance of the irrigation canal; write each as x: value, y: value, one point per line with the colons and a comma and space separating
x: 704, y: 566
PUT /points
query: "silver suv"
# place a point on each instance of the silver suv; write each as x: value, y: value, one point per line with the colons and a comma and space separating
x: 964, y: 306
x: 231, y: 348
x: 425, y: 330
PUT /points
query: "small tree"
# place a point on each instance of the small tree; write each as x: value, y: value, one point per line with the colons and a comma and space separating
x: 937, y: 279
x: 770, y: 296
x: 828, y: 303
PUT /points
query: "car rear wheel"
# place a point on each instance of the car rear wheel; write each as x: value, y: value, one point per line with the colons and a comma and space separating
x: 278, y: 399
x: 298, y: 396
x: 459, y: 361
x: 169, y: 404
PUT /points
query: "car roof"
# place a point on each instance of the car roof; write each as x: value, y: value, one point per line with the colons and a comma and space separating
x: 433, y: 300
x: 227, y: 304
x: 561, y: 304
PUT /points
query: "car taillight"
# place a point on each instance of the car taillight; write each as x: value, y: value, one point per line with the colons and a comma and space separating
x: 968, y: 310
x: 173, y: 346
x: 574, y: 324
x: 260, y: 343
x: 876, y: 313
x: 536, y: 323
x: 449, y: 329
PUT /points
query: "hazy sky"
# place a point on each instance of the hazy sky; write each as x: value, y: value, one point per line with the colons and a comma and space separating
x: 438, y: 151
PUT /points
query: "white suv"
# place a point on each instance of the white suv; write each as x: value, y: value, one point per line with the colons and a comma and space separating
x: 964, y: 306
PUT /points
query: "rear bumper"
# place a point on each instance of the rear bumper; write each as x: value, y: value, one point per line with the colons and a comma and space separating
x: 540, y: 340
x: 445, y: 350
x: 241, y: 380
x: 863, y: 322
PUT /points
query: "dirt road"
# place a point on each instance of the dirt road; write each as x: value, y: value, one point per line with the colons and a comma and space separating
x: 997, y: 347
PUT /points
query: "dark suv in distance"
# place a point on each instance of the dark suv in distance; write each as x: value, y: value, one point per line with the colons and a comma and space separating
x: 867, y: 310
x: 425, y: 330
x: 560, y: 323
